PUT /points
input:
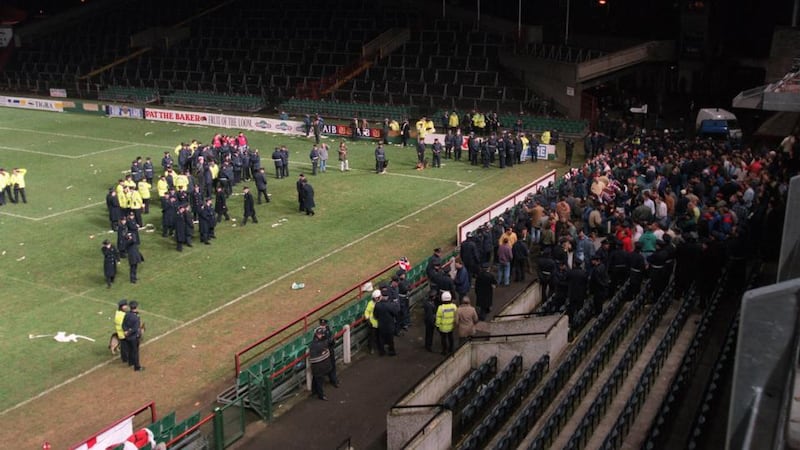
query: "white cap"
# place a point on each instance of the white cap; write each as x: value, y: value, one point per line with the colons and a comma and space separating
x: 446, y: 296
x: 376, y: 294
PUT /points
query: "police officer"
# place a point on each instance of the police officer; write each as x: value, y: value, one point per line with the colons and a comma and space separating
x: 618, y: 268
x: 278, y: 161
x: 445, y: 322
x: 385, y: 312
x: 577, y: 281
x: 638, y: 265
x: 132, y: 327
x: 329, y: 337
x: 369, y: 316
x: 119, y: 317
x: 598, y: 283
x: 321, y: 361
x: 546, y: 265
x: 560, y: 284
x: 658, y: 270
x: 110, y: 260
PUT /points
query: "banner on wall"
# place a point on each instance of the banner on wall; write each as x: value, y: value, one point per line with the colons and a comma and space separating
x: 124, y: 111
x: 347, y: 131
x: 61, y: 93
x: 31, y: 103
x: 225, y: 121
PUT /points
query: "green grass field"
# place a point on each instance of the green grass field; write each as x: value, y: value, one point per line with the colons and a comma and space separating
x: 51, y: 265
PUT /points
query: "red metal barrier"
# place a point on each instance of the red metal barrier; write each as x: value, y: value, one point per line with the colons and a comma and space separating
x: 151, y: 406
x: 343, y: 299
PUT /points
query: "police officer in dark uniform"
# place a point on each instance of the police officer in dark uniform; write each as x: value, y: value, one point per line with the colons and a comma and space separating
x: 559, y: 284
x: 577, y: 282
x: 638, y: 265
x: 328, y: 336
x: 486, y: 157
x: 618, y: 266
x: 321, y: 361
x: 132, y: 327
x: 473, y: 146
x: 598, y: 283
x: 658, y: 271
x: 403, y: 289
x: 546, y: 266
x: 492, y: 147
x: 604, y: 252
x: 688, y: 256
x: 470, y: 255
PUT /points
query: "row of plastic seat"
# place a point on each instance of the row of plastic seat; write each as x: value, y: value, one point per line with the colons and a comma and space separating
x: 563, y: 412
x: 559, y: 377
x: 166, y: 428
x: 534, y: 123
x: 610, y: 389
x: 506, y: 406
x: 347, y: 110
x: 128, y: 94
x: 636, y: 400
x: 689, y: 364
x: 488, y: 394
x: 214, y: 100
x: 711, y: 395
x: 469, y: 385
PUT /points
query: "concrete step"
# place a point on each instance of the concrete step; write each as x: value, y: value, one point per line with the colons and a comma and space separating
x: 641, y: 426
x: 581, y: 368
x: 570, y: 427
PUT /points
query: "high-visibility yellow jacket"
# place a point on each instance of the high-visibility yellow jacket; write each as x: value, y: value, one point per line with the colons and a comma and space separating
x: 420, y: 128
x: 118, y: 318
x: 429, y: 128
x: 124, y: 200
x: 5, y: 177
x: 162, y: 187
x: 178, y: 149
x: 214, y: 171
x: 446, y: 317
x: 369, y: 314
x: 130, y: 183
x: 136, y: 200
x: 18, y: 178
x: 546, y: 138
x: 453, y: 120
x: 144, y: 189
x: 181, y: 182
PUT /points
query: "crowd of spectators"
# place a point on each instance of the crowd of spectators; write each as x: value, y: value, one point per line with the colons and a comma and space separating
x: 644, y: 206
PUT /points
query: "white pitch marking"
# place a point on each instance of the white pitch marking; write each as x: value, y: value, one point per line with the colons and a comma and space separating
x: 237, y: 299
x: 36, y: 152
x: 90, y: 138
x: 50, y: 216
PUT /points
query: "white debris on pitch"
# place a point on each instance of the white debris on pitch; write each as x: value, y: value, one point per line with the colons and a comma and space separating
x: 149, y: 133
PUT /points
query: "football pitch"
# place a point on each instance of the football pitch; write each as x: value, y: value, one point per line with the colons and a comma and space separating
x: 51, y: 267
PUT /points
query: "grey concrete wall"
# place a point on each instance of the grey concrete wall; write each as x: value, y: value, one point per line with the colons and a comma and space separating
x: 437, y: 435
x: 526, y: 302
x: 548, y: 78
x: 401, y: 424
x: 530, y: 347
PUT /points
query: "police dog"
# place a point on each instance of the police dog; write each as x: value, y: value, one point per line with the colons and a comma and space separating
x: 423, y: 165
